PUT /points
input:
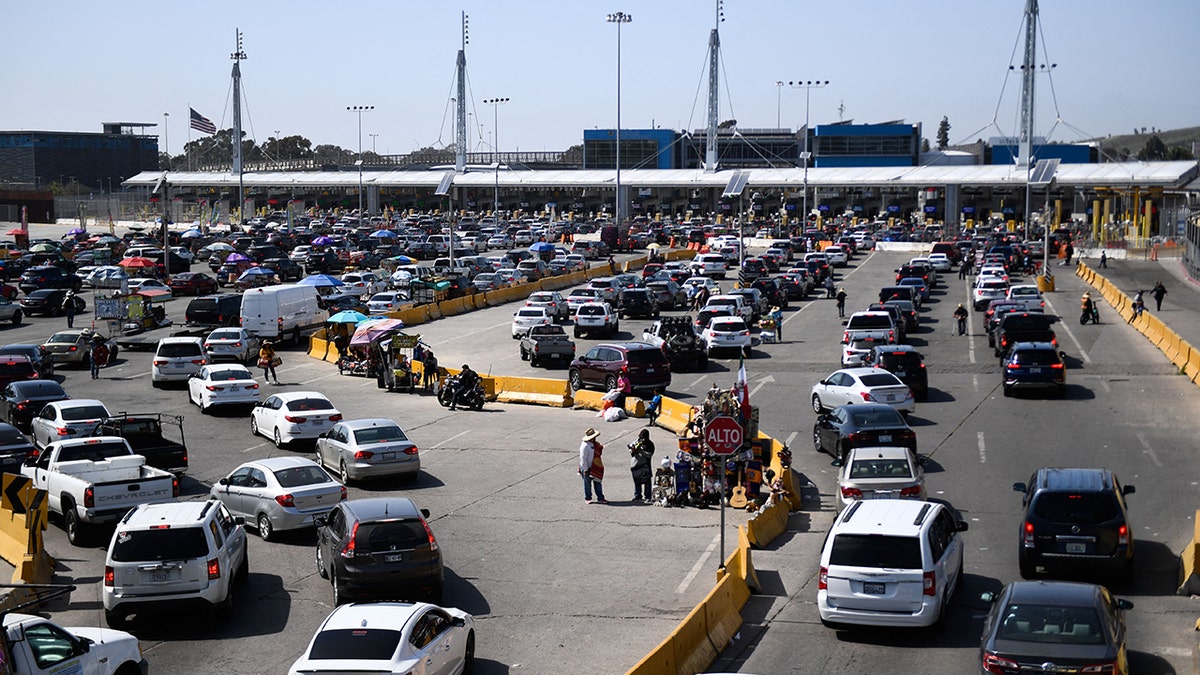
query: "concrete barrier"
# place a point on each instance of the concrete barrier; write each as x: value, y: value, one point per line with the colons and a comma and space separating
x: 1192, y: 367
x: 1189, y: 562
x: 673, y: 415
x: 768, y: 523
x: 23, y: 518
x: 452, y: 307
x: 533, y: 390
x: 906, y: 246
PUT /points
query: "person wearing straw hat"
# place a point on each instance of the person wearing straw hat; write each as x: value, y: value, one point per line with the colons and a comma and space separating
x: 841, y: 302
x: 591, y: 467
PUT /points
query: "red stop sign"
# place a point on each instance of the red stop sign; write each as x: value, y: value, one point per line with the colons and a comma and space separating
x: 723, y: 435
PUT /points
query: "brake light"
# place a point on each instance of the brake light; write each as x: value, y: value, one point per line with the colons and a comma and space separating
x: 286, y: 500
x: 1057, y: 366
x: 1123, y: 535
x: 160, y: 362
x: 1100, y: 668
x: 998, y: 665
x: 866, y: 395
x: 22, y: 405
x: 214, y: 569
x: 89, y: 498
x: 912, y: 491
x: 295, y: 420
x: 851, y: 492
x: 1027, y: 538
x: 343, y: 497
x: 433, y: 545
x: 348, y: 550
x: 72, y: 348
x: 213, y: 388
x: 823, y: 579
x: 255, y: 385
x: 363, y: 454
x: 198, y: 362
x: 929, y: 582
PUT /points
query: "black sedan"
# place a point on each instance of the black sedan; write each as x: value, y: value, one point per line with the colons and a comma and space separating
x: 22, y: 400
x: 14, y: 449
x: 1054, y: 627
x: 49, y: 301
x: 41, y: 360
x: 860, y: 425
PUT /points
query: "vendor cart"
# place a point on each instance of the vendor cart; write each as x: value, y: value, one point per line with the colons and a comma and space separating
x: 397, y: 355
x: 143, y: 312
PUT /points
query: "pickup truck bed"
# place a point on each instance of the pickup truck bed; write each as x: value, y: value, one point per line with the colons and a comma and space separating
x: 104, y: 471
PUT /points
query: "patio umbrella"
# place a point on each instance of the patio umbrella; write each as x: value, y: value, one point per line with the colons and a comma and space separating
x: 383, y: 234
x: 403, y: 260
x: 16, y: 231
x: 108, y: 239
x: 190, y: 234
x: 137, y: 262
x: 542, y: 246
x: 653, y: 247
x: 347, y: 316
x: 322, y: 241
x: 219, y: 246
x: 235, y: 257
x: 76, y: 230
x: 320, y: 280
x: 256, y: 272
x: 42, y: 248
x: 367, y: 333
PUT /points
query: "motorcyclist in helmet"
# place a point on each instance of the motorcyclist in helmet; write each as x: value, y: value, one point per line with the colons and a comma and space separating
x: 467, y: 379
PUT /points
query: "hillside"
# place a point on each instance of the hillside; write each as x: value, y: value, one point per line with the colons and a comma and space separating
x: 1131, y: 144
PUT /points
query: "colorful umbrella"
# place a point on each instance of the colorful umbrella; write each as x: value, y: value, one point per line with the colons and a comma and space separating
x: 137, y: 262
x: 367, y: 333
x: 235, y: 257
x: 383, y: 234
x: 322, y: 241
x: 347, y: 316
x: 403, y: 260
x: 16, y: 231
x: 320, y: 280
x: 256, y: 272
x: 190, y: 234
x: 42, y: 248
x: 77, y: 230
x: 654, y: 247
x: 541, y: 246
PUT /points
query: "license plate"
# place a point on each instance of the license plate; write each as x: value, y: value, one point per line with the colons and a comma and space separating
x: 163, y: 576
x: 1034, y: 370
x: 233, y: 387
x: 885, y: 438
x: 890, y: 397
x: 874, y: 588
x: 884, y: 494
x: 1076, y: 548
x: 649, y: 370
x: 393, y: 557
x: 901, y: 373
x: 389, y: 455
x: 556, y: 356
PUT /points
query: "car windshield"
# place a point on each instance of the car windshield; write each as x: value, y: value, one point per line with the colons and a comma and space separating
x: 63, y: 338
x: 883, y: 417
x: 379, y: 435
x: 1051, y: 624
x: 297, y: 476
x: 84, y: 412
x: 390, y: 535
x: 176, y: 543
x: 872, y: 550
x: 531, y: 313
x: 15, y: 368
x: 38, y: 388
x: 591, y: 310
x: 645, y: 356
x: 895, y: 359
x: 225, y: 334
x: 229, y: 374
x: 309, y: 405
x: 880, y: 468
x: 359, y: 644
x: 179, y: 349
x: 9, y: 436
x: 1035, y: 357
x: 729, y: 326
x: 880, y: 380
x: 1084, y: 507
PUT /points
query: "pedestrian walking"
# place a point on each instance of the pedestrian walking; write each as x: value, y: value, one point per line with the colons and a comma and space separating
x: 702, y: 297
x: 641, y: 453
x: 777, y: 318
x: 1159, y: 292
x: 99, y: 355
x: 1070, y: 252
x: 267, y: 360
x: 962, y: 269
x: 1103, y: 259
x: 841, y: 302
x: 960, y: 315
x: 429, y: 370
x: 68, y: 307
x: 591, y: 467
x: 829, y: 288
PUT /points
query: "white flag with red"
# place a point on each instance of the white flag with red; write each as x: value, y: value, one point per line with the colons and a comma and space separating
x: 743, y: 389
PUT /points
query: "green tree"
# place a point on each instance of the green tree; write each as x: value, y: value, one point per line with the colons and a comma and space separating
x: 1179, y: 153
x: 1154, y: 150
x: 573, y: 156
x: 924, y: 145
x: 943, y: 133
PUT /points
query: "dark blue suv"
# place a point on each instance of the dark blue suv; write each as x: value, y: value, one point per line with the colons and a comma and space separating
x: 1034, y: 365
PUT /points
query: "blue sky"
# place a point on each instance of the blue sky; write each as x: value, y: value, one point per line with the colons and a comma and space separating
x: 76, y: 64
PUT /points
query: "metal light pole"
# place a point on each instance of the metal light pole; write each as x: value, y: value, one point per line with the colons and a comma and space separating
x: 359, y: 110
x: 373, y: 137
x: 618, y: 18
x: 496, y: 103
x: 166, y: 140
x: 778, y: 104
x: 807, y: 86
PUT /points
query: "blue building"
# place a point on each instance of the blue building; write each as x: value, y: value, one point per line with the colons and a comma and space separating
x: 97, y: 161
x: 1005, y: 151
x: 855, y: 145
x: 640, y: 149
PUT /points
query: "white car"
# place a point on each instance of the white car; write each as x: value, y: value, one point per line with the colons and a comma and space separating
x: 554, y: 303
x: 237, y: 344
x: 362, y: 283
x: 993, y: 271
x: 387, y: 301
x: 512, y: 276
x: 136, y: 285
x: 862, y: 385
x: 300, y: 254
x: 576, y: 261
x: 596, y: 317
x: 224, y: 384
x: 987, y: 289
x: 726, y: 332
x: 581, y: 296
x: 108, y: 276
x: 940, y: 261
x: 176, y: 358
x: 405, y: 638
x: 880, y: 473
x: 500, y: 241
x: 184, y: 254
x: 709, y: 265
x: 610, y: 291
x: 836, y: 255
x: 865, y: 242
x: 1029, y: 295
x: 854, y: 352
x: 703, y: 282
x: 279, y: 493
x: 528, y: 317
x: 293, y: 416
x: 64, y: 420
x: 369, y: 448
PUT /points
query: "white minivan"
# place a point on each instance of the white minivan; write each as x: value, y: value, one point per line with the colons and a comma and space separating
x: 176, y: 359
x: 890, y: 562
x: 273, y: 312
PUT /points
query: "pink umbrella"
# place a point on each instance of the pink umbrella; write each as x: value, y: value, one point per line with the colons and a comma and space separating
x: 370, y: 332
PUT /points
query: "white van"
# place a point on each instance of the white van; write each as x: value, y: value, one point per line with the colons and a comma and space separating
x: 277, y: 311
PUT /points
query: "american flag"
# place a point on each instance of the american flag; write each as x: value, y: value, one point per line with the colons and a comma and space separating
x: 201, y: 123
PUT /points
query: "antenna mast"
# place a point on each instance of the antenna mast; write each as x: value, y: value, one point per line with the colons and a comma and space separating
x: 238, y: 57
x: 714, y: 93
x: 460, y: 135
x: 1028, y: 75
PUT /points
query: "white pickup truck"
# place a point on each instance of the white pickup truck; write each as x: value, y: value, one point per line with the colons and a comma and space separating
x: 96, y: 480
x: 39, y: 646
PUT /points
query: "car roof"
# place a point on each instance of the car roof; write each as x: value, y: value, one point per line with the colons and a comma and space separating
x: 78, y: 403
x: 179, y: 340
x: 147, y: 515
x: 370, y: 422
x: 903, y: 517
x: 1079, y: 480
x: 893, y: 349
x: 379, y: 508
x: 15, y: 358
x: 628, y: 346
x: 380, y: 615
x: 725, y: 319
x: 1055, y: 593
x: 880, y: 452
x: 293, y: 395
x: 859, y: 372
x: 279, y: 463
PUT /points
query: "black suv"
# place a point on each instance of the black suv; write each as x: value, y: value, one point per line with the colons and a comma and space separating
x: 37, y: 278
x: 215, y: 311
x: 1073, y: 518
x: 1023, y: 327
x: 638, y: 302
x: 1033, y: 365
x: 379, y: 549
x: 772, y: 289
x: 286, y: 269
x: 903, y: 361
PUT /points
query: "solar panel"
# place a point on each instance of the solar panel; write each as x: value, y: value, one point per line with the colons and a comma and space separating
x: 444, y: 186
x: 737, y: 183
x: 1043, y: 173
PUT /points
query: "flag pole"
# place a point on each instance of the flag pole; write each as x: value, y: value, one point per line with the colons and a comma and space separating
x: 188, y: 147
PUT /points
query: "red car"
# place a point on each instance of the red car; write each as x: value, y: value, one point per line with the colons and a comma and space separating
x: 8, y: 291
x: 193, y: 283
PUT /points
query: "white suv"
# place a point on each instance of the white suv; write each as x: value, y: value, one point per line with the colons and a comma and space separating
x: 168, y: 555
x: 890, y: 562
x: 176, y: 358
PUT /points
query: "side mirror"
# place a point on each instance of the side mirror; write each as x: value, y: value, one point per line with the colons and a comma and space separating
x: 961, y: 526
x: 424, y: 513
x: 30, y: 460
x: 1124, y: 604
x: 239, y: 520
x: 223, y: 481
x: 320, y: 521
x: 1128, y: 490
x: 1020, y: 487
x: 988, y: 597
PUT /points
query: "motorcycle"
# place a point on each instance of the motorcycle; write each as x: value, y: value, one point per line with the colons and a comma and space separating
x: 1092, y: 315
x: 473, y: 398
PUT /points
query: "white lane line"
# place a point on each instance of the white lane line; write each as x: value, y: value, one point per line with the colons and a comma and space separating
x: 760, y: 384
x: 323, y: 377
x: 696, y: 383
x: 982, y: 449
x: 970, y: 305
x: 975, y: 382
x: 1067, y: 327
x: 822, y: 290
x: 1149, y: 450
x: 255, y: 447
x: 791, y: 437
x: 461, y: 433
x: 687, y: 580
x: 476, y: 332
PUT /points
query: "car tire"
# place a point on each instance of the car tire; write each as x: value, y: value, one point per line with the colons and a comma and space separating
x: 468, y: 662
x: 76, y: 529
x: 115, y: 620
x: 277, y: 438
x: 524, y: 354
x: 243, y: 570
x: 576, y: 332
x: 16, y: 318
x: 533, y: 361
x: 816, y: 404
x: 1008, y: 391
x: 817, y: 445
x: 338, y: 597
x: 254, y: 426
x: 200, y: 404
x: 113, y: 356
x: 263, y: 524
x: 610, y: 383
x: 321, y: 571
x: 1026, y: 566
x: 343, y: 474
x: 575, y: 380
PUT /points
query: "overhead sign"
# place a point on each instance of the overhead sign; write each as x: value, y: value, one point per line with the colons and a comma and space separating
x: 930, y: 209
x: 723, y: 435
x: 892, y: 208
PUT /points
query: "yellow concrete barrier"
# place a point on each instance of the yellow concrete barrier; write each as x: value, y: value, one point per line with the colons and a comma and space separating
x: 1192, y: 368
x: 673, y: 415
x: 768, y: 523
x: 693, y: 651
x: 23, y: 518
x: 533, y: 390
x: 451, y: 307
x: 588, y: 399
x: 1189, y: 562
x: 723, y: 608
x: 433, y: 311
x: 635, y: 407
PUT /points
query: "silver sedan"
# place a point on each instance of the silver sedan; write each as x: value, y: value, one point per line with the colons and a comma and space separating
x: 238, y: 344
x: 279, y: 493
x: 370, y: 448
